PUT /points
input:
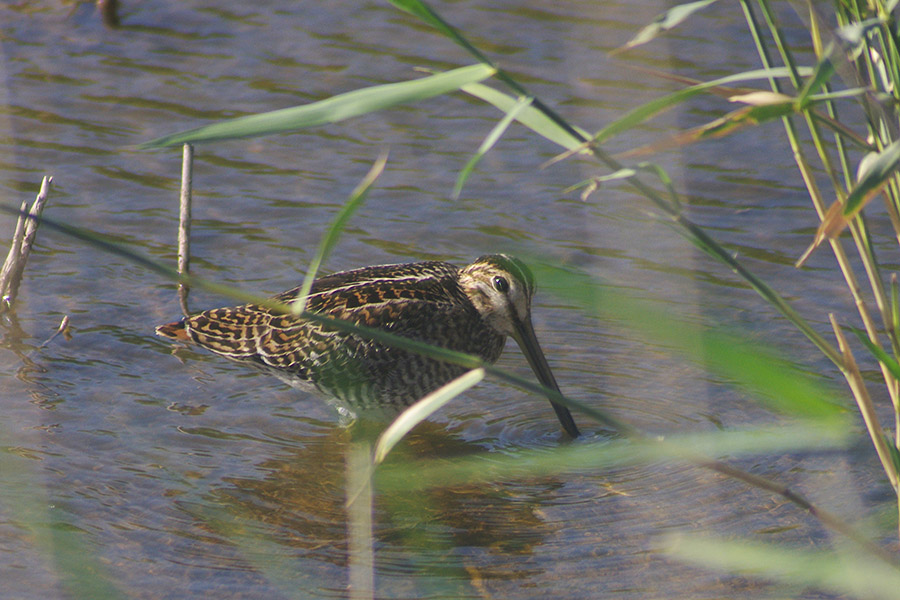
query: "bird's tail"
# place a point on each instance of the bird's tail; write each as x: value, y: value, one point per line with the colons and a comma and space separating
x: 173, y: 331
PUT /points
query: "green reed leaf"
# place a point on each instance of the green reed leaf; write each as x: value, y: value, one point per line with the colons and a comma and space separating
x: 356, y: 199
x: 81, y: 571
x: 489, y: 142
x: 666, y: 21
x: 595, y: 456
x: 765, y: 110
x: 875, y: 171
x: 650, y: 109
x: 892, y: 450
x: 51, y: 527
x: 883, y: 357
x: 592, y: 184
x: 822, y: 73
x: 529, y: 116
x: 424, y: 12
x: 331, y: 110
x: 852, y: 574
x: 625, y: 173
x: 750, y: 366
x: 895, y: 303
x: 423, y: 409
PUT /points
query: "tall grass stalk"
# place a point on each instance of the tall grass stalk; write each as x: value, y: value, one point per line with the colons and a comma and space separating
x: 360, y: 506
x: 875, y: 43
x: 864, y: 52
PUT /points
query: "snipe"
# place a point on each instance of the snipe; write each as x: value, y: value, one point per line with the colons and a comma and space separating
x: 469, y: 310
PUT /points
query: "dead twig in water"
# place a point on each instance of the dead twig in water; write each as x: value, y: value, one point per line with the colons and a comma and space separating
x: 62, y: 329
x: 184, y: 225
x: 22, y: 241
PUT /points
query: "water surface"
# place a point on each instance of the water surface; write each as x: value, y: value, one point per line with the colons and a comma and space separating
x: 179, y: 474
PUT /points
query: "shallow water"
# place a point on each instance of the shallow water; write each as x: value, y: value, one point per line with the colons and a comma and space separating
x: 179, y: 474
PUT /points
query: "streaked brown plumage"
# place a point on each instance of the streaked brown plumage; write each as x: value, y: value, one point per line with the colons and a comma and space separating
x: 469, y: 310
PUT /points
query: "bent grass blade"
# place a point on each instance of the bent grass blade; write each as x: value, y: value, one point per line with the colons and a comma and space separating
x: 356, y: 199
x: 423, y: 409
x: 330, y: 110
x: 529, y: 116
x: 488, y: 143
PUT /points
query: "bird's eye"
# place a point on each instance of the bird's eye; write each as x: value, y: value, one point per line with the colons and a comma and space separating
x: 500, y: 284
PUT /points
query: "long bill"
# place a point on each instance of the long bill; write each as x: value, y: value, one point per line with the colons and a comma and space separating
x: 527, y: 340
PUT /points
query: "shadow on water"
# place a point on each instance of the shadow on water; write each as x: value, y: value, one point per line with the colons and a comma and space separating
x: 286, y: 519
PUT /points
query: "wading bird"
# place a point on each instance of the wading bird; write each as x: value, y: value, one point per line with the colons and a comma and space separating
x: 471, y: 309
